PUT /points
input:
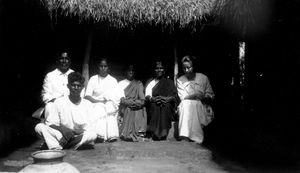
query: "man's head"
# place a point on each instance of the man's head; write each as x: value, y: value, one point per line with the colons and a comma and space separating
x: 63, y: 62
x: 75, y: 83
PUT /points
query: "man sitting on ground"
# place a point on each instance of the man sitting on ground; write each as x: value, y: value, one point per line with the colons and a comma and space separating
x: 68, y: 125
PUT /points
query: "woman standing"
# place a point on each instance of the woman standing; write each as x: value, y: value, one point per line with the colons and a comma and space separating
x: 132, y: 107
x: 195, y: 93
x: 162, y: 98
x: 104, y: 92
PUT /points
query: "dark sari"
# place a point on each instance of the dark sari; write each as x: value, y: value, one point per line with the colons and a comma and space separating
x: 162, y: 115
x: 134, y: 118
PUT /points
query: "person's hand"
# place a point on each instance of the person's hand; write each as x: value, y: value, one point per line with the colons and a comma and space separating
x: 196, y: 96
x: 199, y: 96
x: 103, y: 100
x: 158, y: 100
x: 52, y: 100
x: 167, y: 99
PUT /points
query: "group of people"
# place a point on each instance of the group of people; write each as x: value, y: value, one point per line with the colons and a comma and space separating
x: 106, y: 110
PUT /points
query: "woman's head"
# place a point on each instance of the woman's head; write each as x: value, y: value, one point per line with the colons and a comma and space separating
x: 103, y: 67
x: 187, y: 64
x: 159, y: 69
x: 130, y: 72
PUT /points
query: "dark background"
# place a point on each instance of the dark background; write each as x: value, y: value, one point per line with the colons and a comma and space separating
x: 262, y: 128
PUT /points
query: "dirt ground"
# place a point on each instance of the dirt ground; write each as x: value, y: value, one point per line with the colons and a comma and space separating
x: 120, y: 156
x: 141, y: 157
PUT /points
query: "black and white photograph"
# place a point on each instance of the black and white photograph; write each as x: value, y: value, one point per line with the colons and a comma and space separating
x: 148, y: 86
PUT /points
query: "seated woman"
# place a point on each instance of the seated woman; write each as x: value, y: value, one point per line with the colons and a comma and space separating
x: 103, y: 91
x: 132, y: 107
x: 195, y: 93
x: 162, y: 100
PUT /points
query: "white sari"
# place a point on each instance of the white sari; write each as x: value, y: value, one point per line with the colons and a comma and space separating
x: 105, y: 113
x: 192, y: 113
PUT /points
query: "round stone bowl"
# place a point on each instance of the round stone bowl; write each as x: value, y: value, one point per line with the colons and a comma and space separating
x: 48, y: 156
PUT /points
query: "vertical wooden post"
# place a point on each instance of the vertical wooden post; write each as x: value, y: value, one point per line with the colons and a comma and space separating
x: 87, y: 54
x: 242, y: 49
x: 175, y: 63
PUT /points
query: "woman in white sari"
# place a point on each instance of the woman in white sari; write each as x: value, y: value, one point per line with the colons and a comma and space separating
x: 195, y: 93
x: 104, y: 92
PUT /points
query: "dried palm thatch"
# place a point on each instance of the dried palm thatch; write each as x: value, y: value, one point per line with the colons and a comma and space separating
x: 243, y: 16
x: 122, y: 13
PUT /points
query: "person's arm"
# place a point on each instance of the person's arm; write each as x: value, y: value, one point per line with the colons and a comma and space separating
x: 89, y: 91
x: 209, y: 93
x: 47, y: 91
x: 181, y: 90
x: 140, y: 101
x: 93, y: 100
x: 53, y: 117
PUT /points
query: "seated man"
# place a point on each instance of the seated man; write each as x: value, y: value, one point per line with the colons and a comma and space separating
x: 68, y: 125
x: 55, y: 82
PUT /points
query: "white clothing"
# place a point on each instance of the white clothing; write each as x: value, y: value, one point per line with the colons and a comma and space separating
x: 123, y: 84
x: 55, y: 85
x: 72, y: 116
x: 192, y: 113
x: 149, y: 87
x: 51, y: 136
x: 105, y: 112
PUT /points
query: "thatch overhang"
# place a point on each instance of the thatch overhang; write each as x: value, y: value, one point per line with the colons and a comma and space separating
x: 244, y: 17
x: 124, y: 13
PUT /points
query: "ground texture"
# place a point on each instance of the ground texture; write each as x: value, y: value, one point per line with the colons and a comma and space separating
x: 143, y: 156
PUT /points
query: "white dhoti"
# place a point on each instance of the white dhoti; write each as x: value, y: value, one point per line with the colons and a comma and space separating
x: 50, y: 135
x: 53, y: 136
x: 191, y: 119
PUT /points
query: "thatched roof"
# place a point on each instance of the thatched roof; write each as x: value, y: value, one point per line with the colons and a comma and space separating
x: 122, y: 13
x: 243, y: 16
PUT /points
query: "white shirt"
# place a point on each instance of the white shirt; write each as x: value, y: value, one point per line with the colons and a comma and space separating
x: 75, y: 117
x: 149, y: 87
x: 55, y: 85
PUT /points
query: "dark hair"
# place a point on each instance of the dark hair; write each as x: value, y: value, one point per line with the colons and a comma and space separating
x: 76, y: 76
x: 130, y: 67
x: 59, y: 55
x: 102, y: 59
x: 159, y: 60
x: 188, y: 58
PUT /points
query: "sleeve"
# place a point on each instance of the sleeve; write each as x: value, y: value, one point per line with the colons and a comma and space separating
x: 208, y: 89
x: 90, y: 88
x: 141, y: 91
x: 53, y: 117
x: 47, y: 91
x: 120, y: 90
x: 181, y: 91
x: 117, y: 93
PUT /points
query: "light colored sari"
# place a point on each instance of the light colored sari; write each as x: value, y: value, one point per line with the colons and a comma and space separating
x: 105, y: 112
